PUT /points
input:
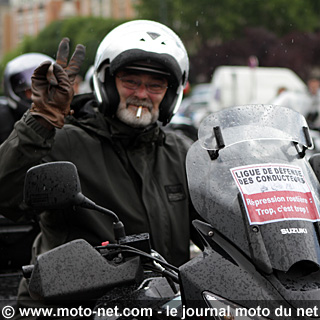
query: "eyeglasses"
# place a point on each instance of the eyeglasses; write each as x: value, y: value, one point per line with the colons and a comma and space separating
x: 134, y: 84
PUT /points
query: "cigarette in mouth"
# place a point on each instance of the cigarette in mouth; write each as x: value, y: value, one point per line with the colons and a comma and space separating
x: 139, y: 111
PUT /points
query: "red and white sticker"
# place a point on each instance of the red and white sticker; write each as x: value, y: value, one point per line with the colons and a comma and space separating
x: 275, y: 192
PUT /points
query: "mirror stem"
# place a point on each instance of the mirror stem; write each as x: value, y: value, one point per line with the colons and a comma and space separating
x: 84, y: 202
x: 118, y: 227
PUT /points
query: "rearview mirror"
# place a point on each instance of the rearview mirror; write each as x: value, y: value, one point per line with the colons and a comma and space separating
x: 52, y: 185
x: 55, y: 185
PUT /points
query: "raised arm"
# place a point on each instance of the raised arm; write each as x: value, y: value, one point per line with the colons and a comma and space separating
x: 33, y: 136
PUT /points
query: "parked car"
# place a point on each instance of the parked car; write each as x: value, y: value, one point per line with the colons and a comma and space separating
x: 239, y: 85
x: 195, y: 106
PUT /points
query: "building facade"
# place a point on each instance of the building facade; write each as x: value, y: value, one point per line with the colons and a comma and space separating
x: 4, y: 41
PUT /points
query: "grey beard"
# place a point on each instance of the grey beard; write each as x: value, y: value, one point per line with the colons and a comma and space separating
x: 129, y: 118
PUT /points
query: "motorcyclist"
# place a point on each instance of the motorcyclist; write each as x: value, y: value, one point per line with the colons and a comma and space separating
x: 126, y: 162
x: 17, y: 89
x: 312, y: 117
x: 17, y: 99
x: 307, y: 102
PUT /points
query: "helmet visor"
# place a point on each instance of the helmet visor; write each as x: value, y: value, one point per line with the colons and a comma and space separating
x: 145, y: 66
x: 21, y: 81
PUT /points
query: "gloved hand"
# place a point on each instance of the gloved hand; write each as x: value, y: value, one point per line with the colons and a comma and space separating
x: 52, y: 85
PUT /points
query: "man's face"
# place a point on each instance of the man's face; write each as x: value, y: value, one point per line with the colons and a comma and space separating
x: 140, y: 96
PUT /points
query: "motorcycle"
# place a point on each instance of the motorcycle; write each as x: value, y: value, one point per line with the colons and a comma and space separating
x: 258, y: 195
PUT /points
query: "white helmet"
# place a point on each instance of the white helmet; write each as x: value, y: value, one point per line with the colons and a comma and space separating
x: 145, y: 45
x: 17, y: 78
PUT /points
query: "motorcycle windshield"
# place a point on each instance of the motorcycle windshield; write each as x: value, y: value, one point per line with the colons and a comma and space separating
x: 244, y: 123
x: 258, y: 192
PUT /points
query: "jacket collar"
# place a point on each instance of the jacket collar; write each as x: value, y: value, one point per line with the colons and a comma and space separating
x: 134, y: 137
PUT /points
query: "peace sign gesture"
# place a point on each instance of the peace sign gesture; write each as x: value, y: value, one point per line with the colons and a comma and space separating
x: 52, y: 84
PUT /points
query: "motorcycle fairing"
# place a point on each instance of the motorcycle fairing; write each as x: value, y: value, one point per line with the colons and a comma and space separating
x: 239, y: 284
x: 210, y: 271
x: 252, y: 135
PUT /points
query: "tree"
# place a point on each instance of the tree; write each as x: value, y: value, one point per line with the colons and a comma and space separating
x: 298, y: 51
x: 227, y: 32
x: 212, y: 21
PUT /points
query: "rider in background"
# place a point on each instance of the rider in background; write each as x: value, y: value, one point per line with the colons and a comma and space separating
x: 313, y: 116
x: 17, y: 89
x: 306, y: 102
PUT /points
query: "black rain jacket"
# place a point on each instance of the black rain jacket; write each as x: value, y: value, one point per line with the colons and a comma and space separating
x: 138, y: 174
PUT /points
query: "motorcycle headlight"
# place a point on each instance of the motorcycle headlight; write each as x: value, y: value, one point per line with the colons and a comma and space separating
x: 220, y: 308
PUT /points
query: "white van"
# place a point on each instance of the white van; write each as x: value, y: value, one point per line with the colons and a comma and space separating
x: 238, y: 85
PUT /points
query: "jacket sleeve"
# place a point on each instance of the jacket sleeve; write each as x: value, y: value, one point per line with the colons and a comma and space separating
x: 28, y: 143
x: 6, y: 120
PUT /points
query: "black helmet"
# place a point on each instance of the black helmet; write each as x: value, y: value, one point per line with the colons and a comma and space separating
x: 17, y: 78
x: 144, y: 45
